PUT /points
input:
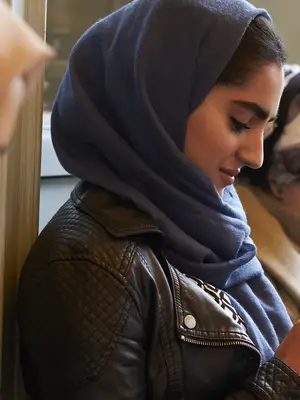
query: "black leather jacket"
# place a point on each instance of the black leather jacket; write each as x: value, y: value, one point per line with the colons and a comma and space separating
x: 102, y: 315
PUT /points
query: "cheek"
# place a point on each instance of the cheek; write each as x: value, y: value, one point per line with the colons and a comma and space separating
x: 209, y: 140
x: 200, y: 143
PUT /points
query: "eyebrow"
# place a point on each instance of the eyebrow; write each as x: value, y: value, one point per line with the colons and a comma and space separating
x: 259, y: 111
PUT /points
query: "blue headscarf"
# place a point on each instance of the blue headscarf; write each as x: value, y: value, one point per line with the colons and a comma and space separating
x: 119, y: 122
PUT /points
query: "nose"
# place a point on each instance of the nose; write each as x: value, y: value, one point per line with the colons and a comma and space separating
x: 251, y: 151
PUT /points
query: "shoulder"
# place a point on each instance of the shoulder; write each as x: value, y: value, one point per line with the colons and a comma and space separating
x: 94, y: 238
x: 82, y: 289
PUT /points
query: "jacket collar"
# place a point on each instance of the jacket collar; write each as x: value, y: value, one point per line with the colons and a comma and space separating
x: 119, y: 217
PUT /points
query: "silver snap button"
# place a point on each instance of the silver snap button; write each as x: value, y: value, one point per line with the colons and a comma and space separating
x: 190, y: 322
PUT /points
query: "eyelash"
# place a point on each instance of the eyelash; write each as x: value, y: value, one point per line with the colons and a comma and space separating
x: 237, y: 126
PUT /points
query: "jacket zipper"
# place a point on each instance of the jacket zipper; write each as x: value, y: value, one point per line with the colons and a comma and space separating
x: 220, y: 343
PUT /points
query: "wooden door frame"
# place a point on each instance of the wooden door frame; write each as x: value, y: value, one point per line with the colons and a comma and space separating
x: 19, y: 209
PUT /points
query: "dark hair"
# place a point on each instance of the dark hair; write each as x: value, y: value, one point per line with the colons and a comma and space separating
x: 260, y: 45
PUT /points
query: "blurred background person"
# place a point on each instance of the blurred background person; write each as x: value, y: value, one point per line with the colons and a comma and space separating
x: 23, y: 55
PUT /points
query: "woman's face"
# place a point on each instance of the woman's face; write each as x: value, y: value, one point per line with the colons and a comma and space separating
x: 226, y: 132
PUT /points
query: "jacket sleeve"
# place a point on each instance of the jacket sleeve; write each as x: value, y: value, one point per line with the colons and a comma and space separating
x: 273, y: 381
x: 81, y: 334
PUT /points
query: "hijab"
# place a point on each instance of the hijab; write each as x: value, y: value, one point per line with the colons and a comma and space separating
x: 119, y: 121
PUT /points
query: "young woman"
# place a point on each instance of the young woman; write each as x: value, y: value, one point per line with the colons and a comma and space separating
x: 146, y: 285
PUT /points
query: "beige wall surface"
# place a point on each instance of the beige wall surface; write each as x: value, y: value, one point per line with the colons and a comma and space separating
x: 285, y: 14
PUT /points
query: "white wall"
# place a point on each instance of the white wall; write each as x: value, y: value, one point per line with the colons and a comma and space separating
x: 54, y: 193
x: 286, y: 15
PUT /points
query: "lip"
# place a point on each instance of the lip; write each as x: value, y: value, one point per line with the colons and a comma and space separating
x: 228, y: 175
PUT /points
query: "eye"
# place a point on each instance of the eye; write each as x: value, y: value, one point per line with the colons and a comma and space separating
x: 238, y: 126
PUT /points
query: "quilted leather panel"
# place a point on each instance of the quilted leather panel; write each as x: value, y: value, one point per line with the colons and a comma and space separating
x: 276, y: 381
x: 89, y: 318
x: 74, y: 233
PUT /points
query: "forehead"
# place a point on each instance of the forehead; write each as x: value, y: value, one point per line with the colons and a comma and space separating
x: 264, y: 87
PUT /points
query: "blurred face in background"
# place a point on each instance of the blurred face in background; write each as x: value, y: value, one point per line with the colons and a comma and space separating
x: 284, y: 174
